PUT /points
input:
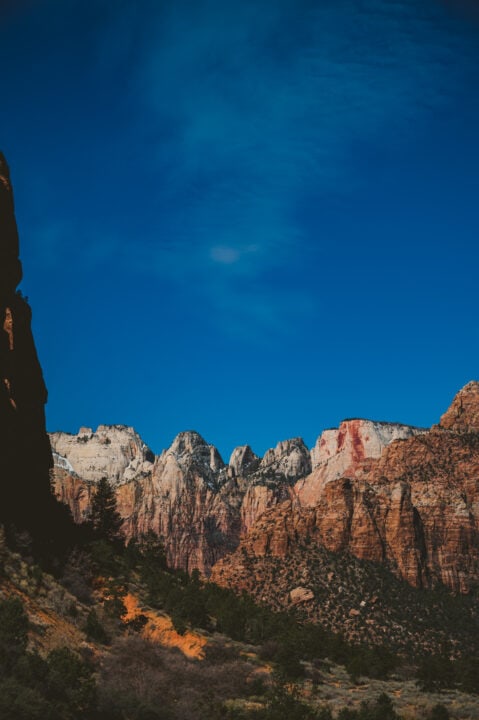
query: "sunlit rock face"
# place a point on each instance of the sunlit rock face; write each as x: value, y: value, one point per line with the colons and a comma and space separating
x: 243, y: 461
x: 176, y: 494
x: 414, y: 508
x: 25, y: 456
x: 199, y: 505
x: 290, y: 458
x: 463, y: 414
x: 340, y: 451
x: 386, y: 493
x: 115, y: 452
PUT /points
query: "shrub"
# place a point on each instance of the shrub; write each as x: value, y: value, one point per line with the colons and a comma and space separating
x: 94, y: 629
x: 13, y: 633
x: 439, y: 712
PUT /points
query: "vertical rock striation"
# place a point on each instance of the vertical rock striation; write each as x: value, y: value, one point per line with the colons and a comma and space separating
x: 199, y: 505
x: 25, y: 456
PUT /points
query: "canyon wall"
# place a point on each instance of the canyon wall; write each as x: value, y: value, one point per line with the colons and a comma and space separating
x: 415, y: 508
x: 388, y: 493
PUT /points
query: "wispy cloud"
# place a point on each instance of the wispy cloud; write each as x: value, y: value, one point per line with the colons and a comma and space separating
x: 245, y: 109
x: 260, y: 104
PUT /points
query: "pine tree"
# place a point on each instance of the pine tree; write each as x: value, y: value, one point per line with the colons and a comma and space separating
x: 105, y: 519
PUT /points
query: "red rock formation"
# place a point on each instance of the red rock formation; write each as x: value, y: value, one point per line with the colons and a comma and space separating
x: 199, y: 506
x: 415, y: 508
x: 463, y: 414
x: 384, y: 492
x: 340, y: 451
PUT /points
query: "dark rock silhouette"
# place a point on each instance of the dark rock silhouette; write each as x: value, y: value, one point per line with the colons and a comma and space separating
x: 25, y: 454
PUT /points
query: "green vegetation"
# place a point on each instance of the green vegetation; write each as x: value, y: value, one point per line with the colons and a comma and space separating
x: 281, y: 638
x: 130, y: 678
x: 104, y: 518
x: 60, y: 687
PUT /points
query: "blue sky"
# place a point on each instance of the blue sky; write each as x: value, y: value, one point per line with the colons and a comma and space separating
x: 252, y: 219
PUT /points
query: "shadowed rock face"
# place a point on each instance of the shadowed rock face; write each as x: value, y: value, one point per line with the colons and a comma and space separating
x: 25, y: 456
x: 10, y: 266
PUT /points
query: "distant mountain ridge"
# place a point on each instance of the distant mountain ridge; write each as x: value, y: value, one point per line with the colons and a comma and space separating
x: 389, y: 493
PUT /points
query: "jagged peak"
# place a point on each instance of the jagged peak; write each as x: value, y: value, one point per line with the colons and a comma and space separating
x: 290, y: 458
x: 463, y: 413
x: 242, y: 461
x: 284, y: 448
x: 186, y: 440
x: 190, y: 446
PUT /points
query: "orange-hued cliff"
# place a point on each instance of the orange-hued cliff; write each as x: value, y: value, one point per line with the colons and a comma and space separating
x: 414, y: 508
x: 405, y: 497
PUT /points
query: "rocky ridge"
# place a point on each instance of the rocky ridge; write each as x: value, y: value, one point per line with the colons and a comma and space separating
x: 414, y: 509
x: 187, y: 494
x: 384, y: 492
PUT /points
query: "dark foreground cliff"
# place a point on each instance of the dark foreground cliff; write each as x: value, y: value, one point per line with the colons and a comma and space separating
x: 25, y: 454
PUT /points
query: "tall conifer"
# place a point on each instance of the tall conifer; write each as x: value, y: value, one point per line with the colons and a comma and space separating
x: 105, y: 518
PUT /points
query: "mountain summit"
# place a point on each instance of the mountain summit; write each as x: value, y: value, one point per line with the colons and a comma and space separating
x: 463, y: 414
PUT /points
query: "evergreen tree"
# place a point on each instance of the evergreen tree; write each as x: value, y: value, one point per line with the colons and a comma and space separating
x: 105, y: 519
x: 439, y: 712
x: 13, y: 633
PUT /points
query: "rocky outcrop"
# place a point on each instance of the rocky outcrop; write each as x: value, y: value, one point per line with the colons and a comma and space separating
x: 463, y: 414
x: 300, y: 595
x: 25, y: 456
x: 190, y: 450
x: 200, y: 506
x: 340, y: 451
x: 290, y: 459
x: 243, y: 461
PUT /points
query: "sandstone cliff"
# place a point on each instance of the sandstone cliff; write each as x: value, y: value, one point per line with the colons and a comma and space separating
x: 387, y: 493
x: 198, y: 504
x: 415, y: 508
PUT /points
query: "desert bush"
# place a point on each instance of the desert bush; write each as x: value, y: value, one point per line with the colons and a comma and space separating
x: 439, y: 712
x: 58, y: 688
x: 78, y: 575
x: 13, y: 633
x: 139, y: 674
x: 94, y: 629
x: 435, y: 673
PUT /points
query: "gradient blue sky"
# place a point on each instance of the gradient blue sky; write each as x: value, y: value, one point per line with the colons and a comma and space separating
x: 253, y: 218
